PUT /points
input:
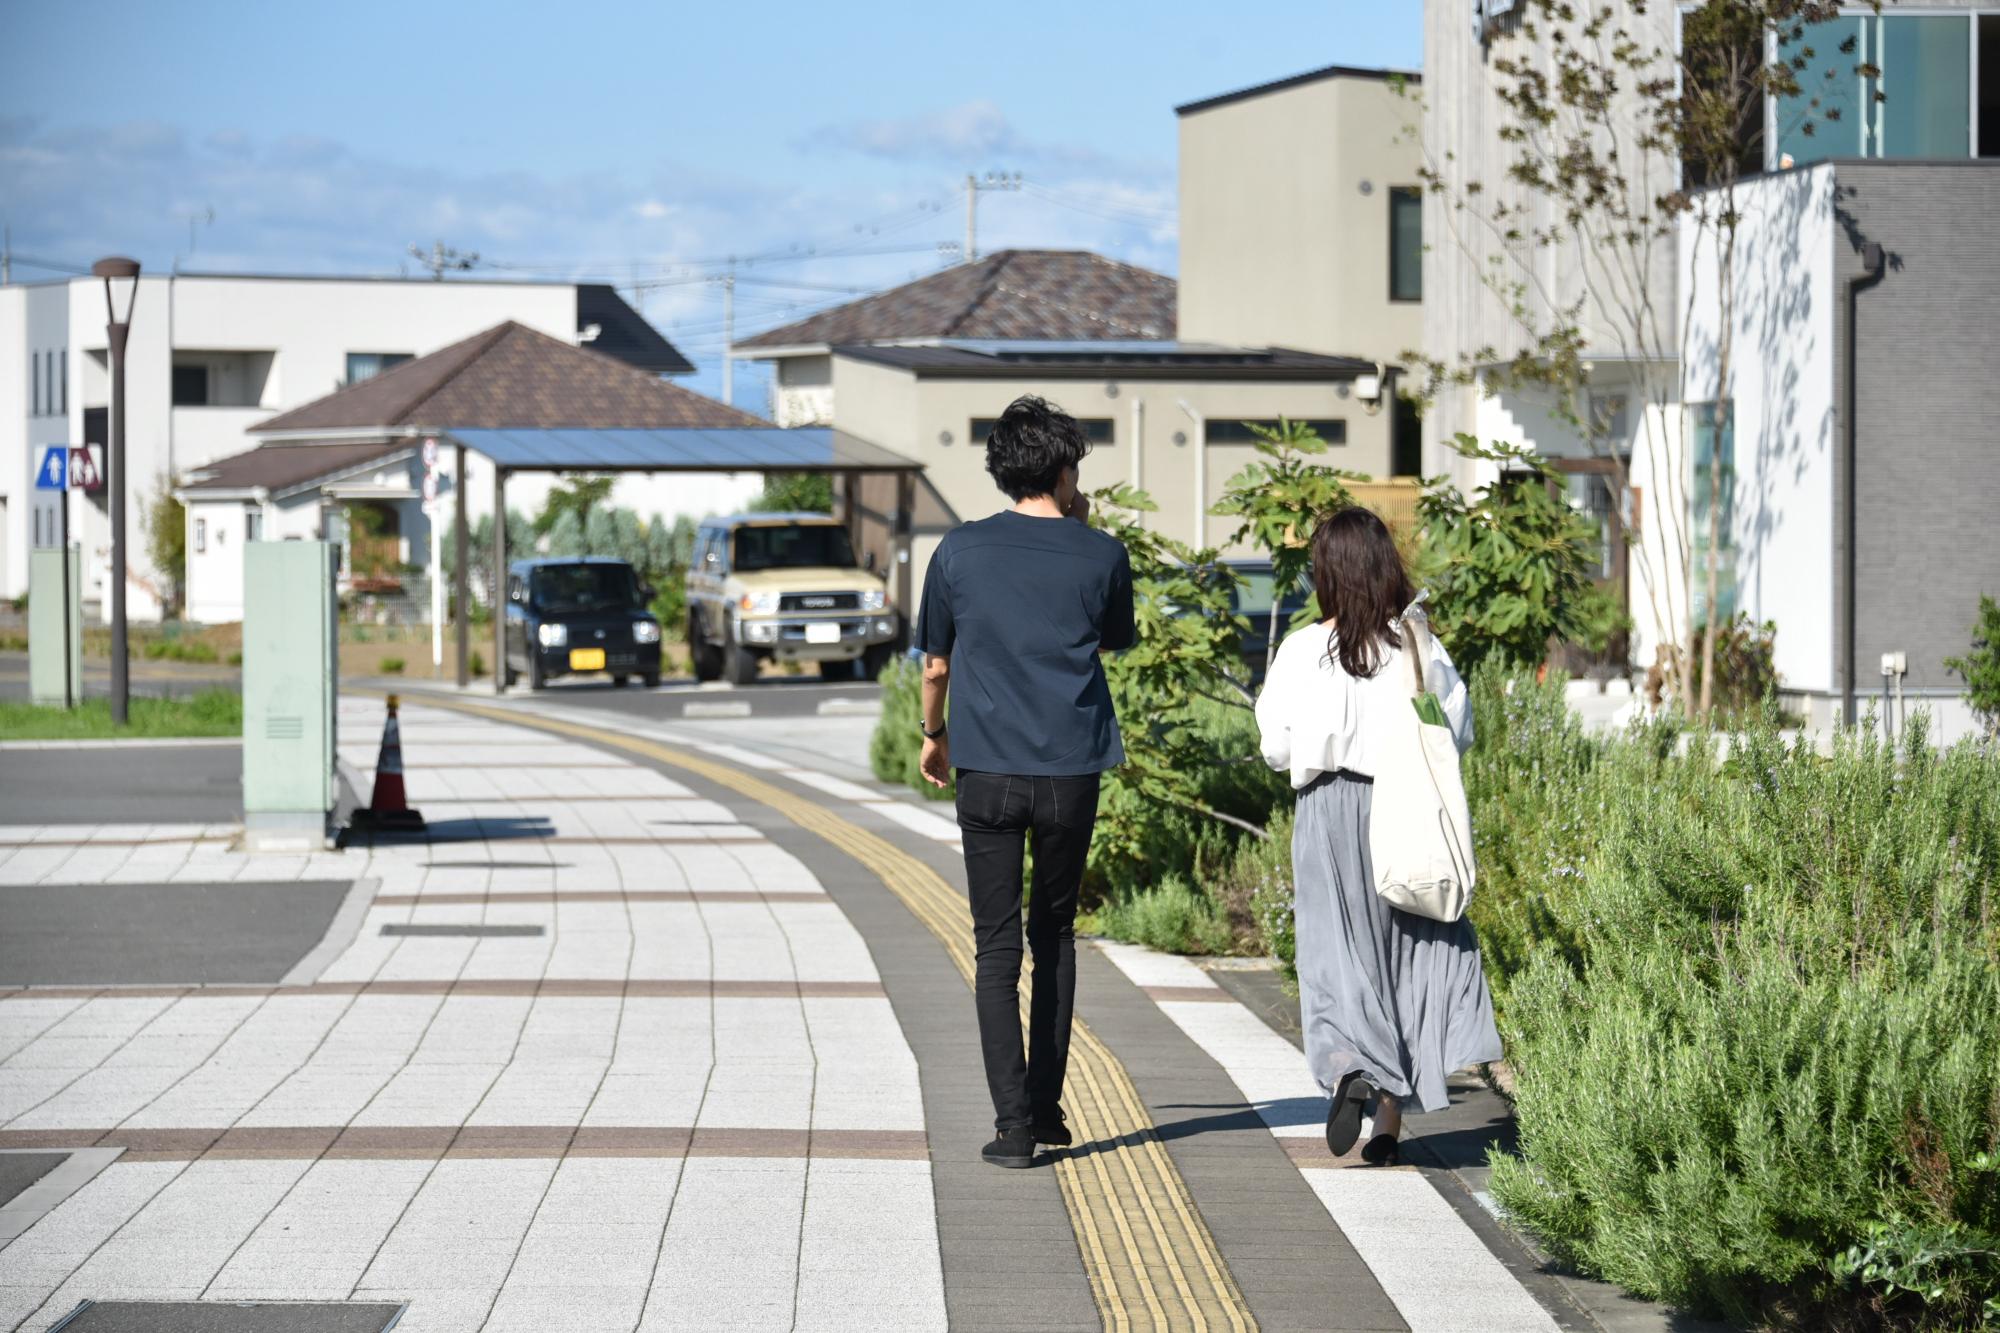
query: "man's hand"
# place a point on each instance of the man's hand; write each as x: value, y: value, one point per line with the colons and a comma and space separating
x: 935, y: 763
x: 1079, y: 508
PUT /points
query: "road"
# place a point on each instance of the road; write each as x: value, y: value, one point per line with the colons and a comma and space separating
x: 162, y: 680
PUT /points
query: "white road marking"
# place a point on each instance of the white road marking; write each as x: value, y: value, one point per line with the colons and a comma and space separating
x: 1429, y: 1262
x: 915, y: 820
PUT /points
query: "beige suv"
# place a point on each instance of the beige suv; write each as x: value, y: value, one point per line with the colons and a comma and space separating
x: 785, y: 587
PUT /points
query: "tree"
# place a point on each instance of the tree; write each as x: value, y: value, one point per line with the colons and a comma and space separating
x: 1980, y: 668
x: 565, y: 536
x: 166, y: 542
x: 580, y: 493
x: 801, y: 492
x: 1506, y: 570
x: 1612, y: 128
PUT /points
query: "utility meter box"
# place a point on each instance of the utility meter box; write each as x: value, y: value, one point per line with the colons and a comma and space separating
x: 290, y: 645
x: 46, y: 658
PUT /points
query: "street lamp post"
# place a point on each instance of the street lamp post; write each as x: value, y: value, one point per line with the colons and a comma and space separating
x: 116, y: 330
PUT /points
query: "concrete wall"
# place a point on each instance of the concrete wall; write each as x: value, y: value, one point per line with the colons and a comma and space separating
x: 1782, y: 380
x: 1284, y: 219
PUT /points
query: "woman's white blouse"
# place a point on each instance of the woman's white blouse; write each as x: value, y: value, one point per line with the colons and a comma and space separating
x: 1314, y: 718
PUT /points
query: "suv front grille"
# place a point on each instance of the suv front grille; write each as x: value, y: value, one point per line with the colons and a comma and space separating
x: 820, y: 601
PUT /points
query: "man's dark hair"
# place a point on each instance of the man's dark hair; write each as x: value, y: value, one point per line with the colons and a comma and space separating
x: 1031, y: 444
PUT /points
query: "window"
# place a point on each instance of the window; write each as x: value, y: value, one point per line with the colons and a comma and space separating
x: 1406, y: 243
x: 1714, y: 510
x: 190, y: 386
x: 253, y: 526
x: 1331, y: 430
x: 200, y: 535
x: 793, y: 546
x: 1609, y: 420
x: 62, y: 379
x: 367, y: 365
x: 1098, y: 430
x: 1921, y: 104
x: 35, y: 383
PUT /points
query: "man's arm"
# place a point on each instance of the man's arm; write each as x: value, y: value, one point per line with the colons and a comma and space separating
x: 935, y: 762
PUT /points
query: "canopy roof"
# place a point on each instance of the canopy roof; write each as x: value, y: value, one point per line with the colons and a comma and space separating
x: 741, y: 449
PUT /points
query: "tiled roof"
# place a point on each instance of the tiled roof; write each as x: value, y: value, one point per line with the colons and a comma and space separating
x: 1035, y: 294
x: 509, y: 377
x: 277, y: 467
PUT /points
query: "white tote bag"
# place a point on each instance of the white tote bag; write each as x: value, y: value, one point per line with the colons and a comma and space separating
x: 1420, y: 831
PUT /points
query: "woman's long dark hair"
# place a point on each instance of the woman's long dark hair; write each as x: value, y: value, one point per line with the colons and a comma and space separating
x: 1358, y: 577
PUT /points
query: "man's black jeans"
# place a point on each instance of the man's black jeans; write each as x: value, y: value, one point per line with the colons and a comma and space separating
x: 997, y: 814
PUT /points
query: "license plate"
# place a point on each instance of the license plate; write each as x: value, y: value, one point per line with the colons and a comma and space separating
x: 586, y: 659
x: 823, y: 633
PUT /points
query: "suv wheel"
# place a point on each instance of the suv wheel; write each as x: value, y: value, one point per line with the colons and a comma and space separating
x: 742, y: 664
x: 837, y: 669
x: 875, y: 660
x: 702, y: 656
x: 536, y: 680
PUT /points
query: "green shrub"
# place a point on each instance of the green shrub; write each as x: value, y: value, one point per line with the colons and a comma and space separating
x: 392, y: 666
x: 1765, y: 1026
x: 897, y: 743
x: 1980, y: 667
x: 477, y: 666
x: 1170, y: 917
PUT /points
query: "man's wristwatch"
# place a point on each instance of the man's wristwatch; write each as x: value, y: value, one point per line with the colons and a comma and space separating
x: 930, y: 735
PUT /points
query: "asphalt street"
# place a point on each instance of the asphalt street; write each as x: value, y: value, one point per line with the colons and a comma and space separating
x: 160, y: 680
x: 125, y: 784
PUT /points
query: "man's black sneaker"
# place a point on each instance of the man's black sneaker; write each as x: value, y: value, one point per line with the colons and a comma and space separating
x: 1049, y: 1128
x: 1013, y: 1148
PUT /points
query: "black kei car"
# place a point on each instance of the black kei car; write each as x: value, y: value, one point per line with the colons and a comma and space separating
x: 578, y: 615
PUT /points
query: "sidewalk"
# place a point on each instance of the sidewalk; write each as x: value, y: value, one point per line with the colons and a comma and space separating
x: 656, y: 1030
x: 683, y: 1102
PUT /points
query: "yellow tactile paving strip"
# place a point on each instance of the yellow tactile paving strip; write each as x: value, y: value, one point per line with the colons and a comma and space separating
x: 1152, y: 1263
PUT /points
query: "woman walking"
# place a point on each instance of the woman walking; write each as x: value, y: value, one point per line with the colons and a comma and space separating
x: 1390, y: 1002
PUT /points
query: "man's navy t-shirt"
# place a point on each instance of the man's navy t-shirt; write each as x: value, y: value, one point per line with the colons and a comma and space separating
x: 1022, y: 605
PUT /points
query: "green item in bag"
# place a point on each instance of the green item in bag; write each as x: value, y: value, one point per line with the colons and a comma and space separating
x: 1429, y: 709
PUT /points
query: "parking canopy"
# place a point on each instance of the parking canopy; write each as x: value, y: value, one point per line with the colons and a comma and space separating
x: 736, y: 449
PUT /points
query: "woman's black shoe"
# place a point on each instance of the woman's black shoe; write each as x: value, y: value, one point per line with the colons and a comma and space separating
x: 1382, y: 1150
x: 1343, y: 1118
x: 1049, y: 1128
x: 1013, y: 1148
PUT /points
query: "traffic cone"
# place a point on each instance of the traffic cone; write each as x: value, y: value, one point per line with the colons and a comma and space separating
x: 389, y: 808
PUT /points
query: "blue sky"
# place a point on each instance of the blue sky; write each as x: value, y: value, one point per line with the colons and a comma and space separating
x: 628, y: 141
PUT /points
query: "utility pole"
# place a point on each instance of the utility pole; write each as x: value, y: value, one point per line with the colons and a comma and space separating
x: 973, y: 185
x: 441, y: 257
x: 115, y: 333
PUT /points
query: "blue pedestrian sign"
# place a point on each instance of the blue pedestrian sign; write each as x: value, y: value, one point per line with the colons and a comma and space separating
x: 53, y: 474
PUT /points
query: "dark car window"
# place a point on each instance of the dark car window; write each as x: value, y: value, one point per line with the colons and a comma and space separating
x: 1253, y: 594
x: 569, y: 588
x: 795, y: 546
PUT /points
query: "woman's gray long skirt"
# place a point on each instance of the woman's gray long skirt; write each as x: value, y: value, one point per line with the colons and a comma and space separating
x: 1400, y: 998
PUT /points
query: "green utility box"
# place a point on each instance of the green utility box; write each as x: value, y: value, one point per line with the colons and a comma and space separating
x: 290, y: 640
x: 45, y: 626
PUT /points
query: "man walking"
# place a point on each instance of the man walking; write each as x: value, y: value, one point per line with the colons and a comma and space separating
x: 1016, y: 608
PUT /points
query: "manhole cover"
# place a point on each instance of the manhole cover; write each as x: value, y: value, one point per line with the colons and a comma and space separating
x: 228, y: 1317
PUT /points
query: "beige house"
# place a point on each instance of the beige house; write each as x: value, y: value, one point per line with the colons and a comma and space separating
x: 1171, y: 419
x: 1301, y: 222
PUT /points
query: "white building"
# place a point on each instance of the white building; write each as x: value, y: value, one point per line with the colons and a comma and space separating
x: 1651, y: 371
x: 212, y: 355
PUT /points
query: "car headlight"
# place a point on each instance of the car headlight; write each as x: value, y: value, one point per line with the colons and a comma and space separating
x: 552, y: 636
x: 874, y: 599
x: 758, y: 603
x: 645, y: 631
